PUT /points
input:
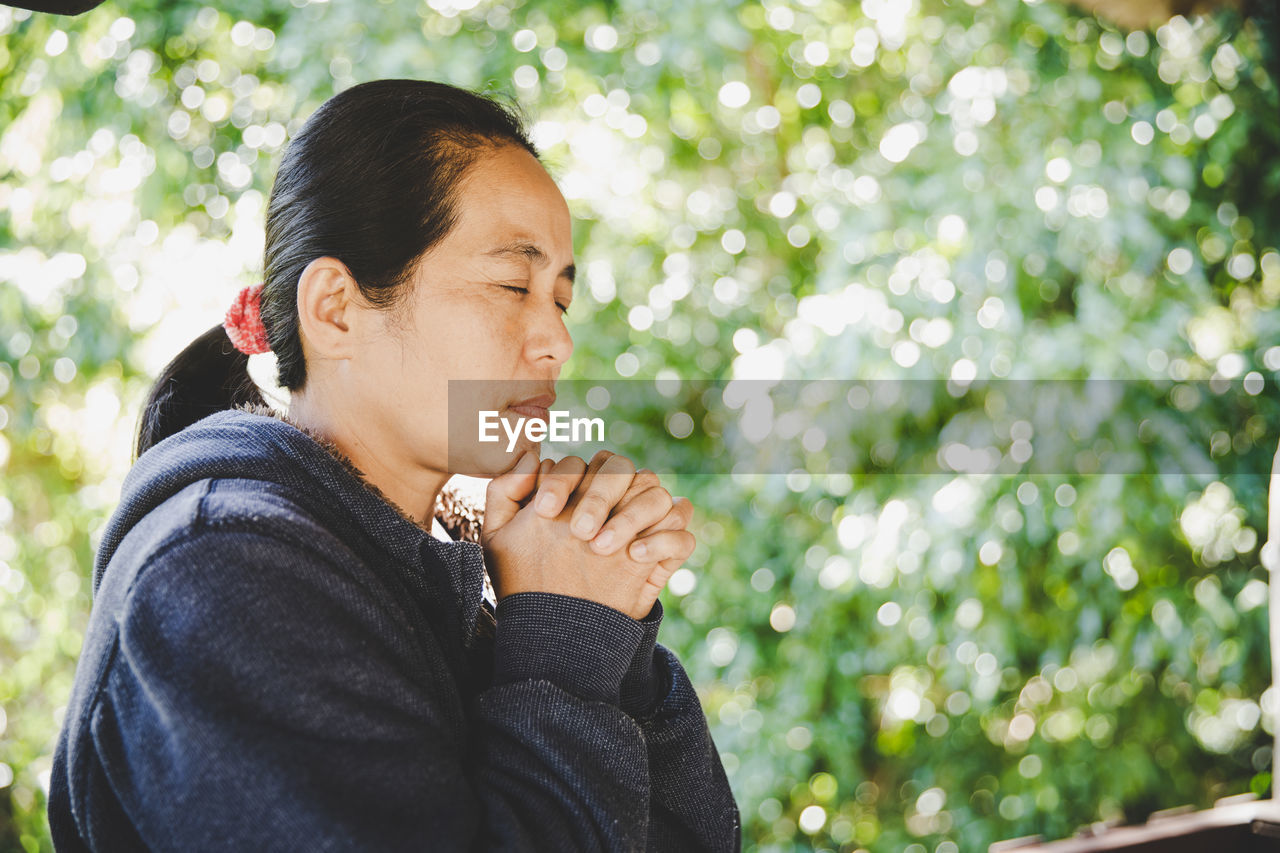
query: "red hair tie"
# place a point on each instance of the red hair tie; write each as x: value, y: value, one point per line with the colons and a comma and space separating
x: 244, y: 322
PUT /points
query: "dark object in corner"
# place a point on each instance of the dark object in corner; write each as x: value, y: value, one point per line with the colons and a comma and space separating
x: 57, y: 7
x: 1231, y: 826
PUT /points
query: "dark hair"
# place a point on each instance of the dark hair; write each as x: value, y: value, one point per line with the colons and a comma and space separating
x: 371, y: 179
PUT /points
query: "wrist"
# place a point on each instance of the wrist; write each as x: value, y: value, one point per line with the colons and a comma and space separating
x: 645, y: 683
x: 582, y: 646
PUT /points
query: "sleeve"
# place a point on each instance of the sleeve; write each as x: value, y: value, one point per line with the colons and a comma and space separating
x: 691, y: 805
x: 262, y: 698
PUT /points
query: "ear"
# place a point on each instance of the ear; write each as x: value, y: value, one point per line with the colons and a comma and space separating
x: 328, y: 315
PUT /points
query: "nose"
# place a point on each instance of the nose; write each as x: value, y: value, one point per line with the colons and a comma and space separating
x: 548, y: 338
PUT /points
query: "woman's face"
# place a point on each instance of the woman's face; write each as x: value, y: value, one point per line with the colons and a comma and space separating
x: 487, y: 306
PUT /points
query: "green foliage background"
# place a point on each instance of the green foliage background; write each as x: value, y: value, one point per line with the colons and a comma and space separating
x: 887, y: 189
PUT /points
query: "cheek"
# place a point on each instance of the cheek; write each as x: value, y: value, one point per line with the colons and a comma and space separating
x: 479, y: 316
x: 489, y: 338
x: 467, y: 338
x: 456, y: 332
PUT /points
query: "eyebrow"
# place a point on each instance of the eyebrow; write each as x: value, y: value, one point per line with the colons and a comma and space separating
x: 532, y: 252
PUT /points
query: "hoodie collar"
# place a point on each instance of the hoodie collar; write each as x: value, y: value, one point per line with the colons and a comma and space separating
x: 254, y: 441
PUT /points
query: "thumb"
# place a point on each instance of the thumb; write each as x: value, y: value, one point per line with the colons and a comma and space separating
x: 505, y: 491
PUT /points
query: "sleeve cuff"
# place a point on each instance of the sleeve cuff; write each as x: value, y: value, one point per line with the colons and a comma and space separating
x: 583, y: 647
x: 645, y: 684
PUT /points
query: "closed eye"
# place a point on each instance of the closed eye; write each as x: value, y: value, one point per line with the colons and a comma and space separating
x: 564, y: 309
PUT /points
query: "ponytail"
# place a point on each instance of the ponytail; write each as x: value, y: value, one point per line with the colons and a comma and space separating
x: 210, y: 375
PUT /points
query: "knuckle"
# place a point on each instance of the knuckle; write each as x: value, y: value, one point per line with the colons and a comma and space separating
x: 688, y: 542
x: 636, y: 489
x: 570, y: 463
x: 666, y: 546
x: 592, y: 501
x: 657, y: 503
x: 620, y: 463
x: 659, y: 495
x: 640, y: 513
x: 628, y: 518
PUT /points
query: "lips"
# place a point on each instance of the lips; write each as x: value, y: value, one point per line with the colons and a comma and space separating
x: 534, y: 407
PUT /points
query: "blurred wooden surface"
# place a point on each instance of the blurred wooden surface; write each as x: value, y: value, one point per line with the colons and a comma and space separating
x: 1141, y: 14
x: 1233, y: 827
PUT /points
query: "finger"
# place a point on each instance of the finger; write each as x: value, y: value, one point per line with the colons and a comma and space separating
x: 593, y: 466
x: 600, y: 495
x: 663, y: 545
x: 630, y: 517
x: 642, y: 481
x: 557, y: 484
x: 657, y: 580
x: 663, y: 571
x: 645, y: 479
x: 544, y: 468
x: 504, y: 492
x: 677, y: 518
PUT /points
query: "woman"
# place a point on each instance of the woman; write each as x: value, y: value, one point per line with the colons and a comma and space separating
x: 280, y: 655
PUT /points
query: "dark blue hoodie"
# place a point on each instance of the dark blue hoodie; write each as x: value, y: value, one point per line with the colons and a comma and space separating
x: 279, y: 659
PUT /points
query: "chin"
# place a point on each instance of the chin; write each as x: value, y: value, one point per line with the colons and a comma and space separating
x: 489, y: 460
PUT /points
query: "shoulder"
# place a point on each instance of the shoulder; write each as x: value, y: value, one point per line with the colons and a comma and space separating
x: 269, y: 587
x: 266, y: 507
x: 232, y: 587
x: 233, y: 572
x: 245, y: 639
x: 214, y: 512
x: 230, y: 538
x: 219, y: 542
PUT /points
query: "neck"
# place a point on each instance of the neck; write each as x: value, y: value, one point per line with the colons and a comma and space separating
x: 462, y: 514
x: 410, y: 489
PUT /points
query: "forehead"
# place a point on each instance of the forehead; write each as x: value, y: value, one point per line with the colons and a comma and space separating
x: 507, y: 191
